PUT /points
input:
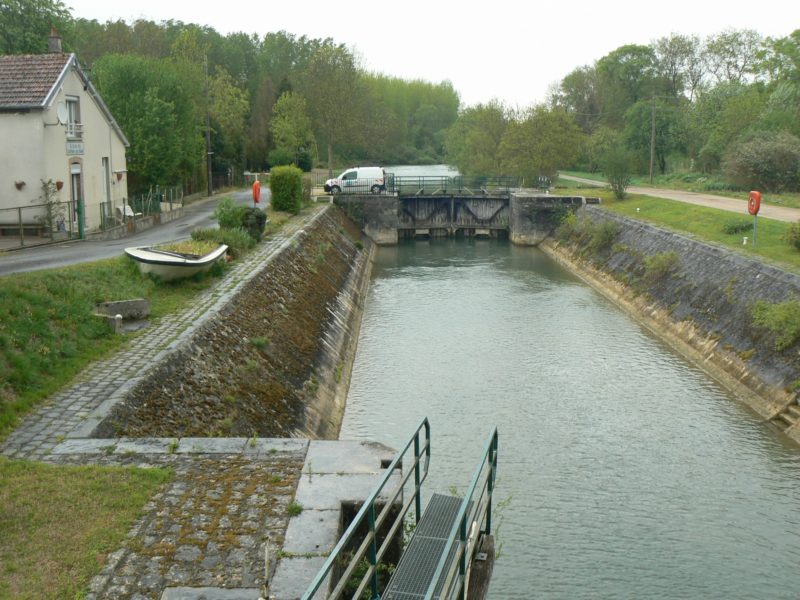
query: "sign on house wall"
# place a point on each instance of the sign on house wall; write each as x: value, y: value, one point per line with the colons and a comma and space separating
x: 74, y: 148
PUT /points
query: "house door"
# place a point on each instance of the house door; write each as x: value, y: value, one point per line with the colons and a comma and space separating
x: 76, y: 196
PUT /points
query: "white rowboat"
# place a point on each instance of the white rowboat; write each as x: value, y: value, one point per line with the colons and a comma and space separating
x: 167, y: 265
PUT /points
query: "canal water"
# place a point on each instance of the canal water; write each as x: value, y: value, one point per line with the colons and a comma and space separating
x: 627, y: 472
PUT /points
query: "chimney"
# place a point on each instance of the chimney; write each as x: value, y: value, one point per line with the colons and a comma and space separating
x: 54, y: 42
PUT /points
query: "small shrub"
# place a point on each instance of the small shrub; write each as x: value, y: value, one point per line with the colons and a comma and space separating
x: 228, y: 214
x: 617, y: 166
x: 294, y: 508
x: 602, y: 235
x: 738, y: 226
x: 660, y: 265
x: 253, y: 222
x: 286, y: 185
x: 782, y: 319
x: 568, y: 227
x: 792, y: 235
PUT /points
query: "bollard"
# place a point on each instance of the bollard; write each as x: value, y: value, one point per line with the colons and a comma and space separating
x: 744, y: 241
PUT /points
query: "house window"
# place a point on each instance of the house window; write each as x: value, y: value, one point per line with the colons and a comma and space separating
x: 74, y: 125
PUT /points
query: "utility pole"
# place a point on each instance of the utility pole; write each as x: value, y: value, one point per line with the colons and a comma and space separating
x: 652, y: 139
x: 209, y: 153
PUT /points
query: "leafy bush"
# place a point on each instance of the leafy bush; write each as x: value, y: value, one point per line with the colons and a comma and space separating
x: 782, y: 319
x: 228, y: 214
x: 767, y: 160
x: 660, y: 265
x: 568, y: 227
x: 237, y: 240
x: 792, y: 236
x: 286, y: 186
x: 737, y: 226
x: 304, y: 161
x: 279, y: 157
x: 253, y: 222
x: 602, y: 235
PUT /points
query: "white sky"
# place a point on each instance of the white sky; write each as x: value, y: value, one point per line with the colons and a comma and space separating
x: 497, y: 49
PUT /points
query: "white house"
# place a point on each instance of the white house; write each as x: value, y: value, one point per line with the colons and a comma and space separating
x: 54, y: 126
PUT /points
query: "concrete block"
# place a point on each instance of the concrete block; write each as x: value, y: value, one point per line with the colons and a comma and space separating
x: 144, y: 445
x: 330, y: 456
x: 209, y: 593
x: 138, y: 308
x: 83, y: 446
x: 328, y: 491
x: 267, y: 446
x: 312, y: 532
x: 293, y: 576
x: 211, y: 445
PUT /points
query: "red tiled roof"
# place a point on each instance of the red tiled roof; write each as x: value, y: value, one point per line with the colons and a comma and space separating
x: 26, y: 79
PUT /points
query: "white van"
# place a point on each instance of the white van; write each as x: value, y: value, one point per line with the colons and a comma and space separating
x: 358, y: 180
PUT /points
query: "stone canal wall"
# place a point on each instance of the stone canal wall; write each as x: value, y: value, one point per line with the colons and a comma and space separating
x: 697, y: 296
x: 275, y: 362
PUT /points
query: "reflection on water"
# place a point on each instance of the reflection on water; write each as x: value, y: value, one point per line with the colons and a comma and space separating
x: 630, y: 474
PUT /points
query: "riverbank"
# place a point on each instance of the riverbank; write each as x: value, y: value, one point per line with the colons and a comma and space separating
x: 699, y: 298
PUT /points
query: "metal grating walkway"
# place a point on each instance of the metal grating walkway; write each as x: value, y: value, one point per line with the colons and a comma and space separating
x: 418, y: 564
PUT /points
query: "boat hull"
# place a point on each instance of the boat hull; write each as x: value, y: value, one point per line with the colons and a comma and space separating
x: 168, y: 266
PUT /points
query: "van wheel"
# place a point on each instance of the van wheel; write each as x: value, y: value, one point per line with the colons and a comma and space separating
x: 335, y: 189
x: 376, y: 189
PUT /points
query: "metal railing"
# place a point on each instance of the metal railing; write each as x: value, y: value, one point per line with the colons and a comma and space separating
x: 156, y: 200
x: 421, y: 445
x: 37, y: 224
x: 442, y: 185
x: 475, y: 513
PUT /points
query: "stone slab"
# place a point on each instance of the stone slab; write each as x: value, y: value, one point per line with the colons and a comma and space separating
x: 209, y: 593
x: 327, y: 491
x: 144, y: 445
x: 267, y: 446
x: 330, y: 456
x: 312, y: 532
x: 84, y: 446
x: 293, y: 576
x: 194, y: 445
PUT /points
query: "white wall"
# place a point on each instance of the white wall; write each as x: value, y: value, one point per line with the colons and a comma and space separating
x: 33, y: 152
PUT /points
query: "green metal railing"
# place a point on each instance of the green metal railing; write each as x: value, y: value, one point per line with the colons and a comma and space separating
x: 442, y: 185
x: 420, y: 442
x: 475, y: 511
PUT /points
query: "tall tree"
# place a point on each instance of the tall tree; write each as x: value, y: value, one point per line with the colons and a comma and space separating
x: 291, y: 126
x: 331, y: 86
x: 732, y: 56
x: 625, y: 76
x: 540, y: 143
x: 676, y: 55
x: 25, y: 25
x: 578, y: 94
x: 474, y: 140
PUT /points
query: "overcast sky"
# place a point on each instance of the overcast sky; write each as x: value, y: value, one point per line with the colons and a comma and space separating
x: 497, y: 49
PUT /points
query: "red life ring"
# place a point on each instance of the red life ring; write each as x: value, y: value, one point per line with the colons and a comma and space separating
x: 257, y: 191
x: 754, y: 203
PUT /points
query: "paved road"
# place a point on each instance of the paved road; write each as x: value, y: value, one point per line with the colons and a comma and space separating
x: 196, y: 215
x: 778, y: 213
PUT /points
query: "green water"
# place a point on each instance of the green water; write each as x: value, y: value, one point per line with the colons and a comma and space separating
x: 629, y: 473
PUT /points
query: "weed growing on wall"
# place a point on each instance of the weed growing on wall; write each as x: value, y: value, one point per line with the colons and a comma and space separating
x: 782, y: 319
x: 659, y: 266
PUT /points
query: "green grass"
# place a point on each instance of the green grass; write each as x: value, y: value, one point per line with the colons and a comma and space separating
x: 47, y: 330
x: 709, y: 224
x: 694, y: 182
x: 58, y: 523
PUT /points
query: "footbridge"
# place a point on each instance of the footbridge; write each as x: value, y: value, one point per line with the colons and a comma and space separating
x: 413, y: 207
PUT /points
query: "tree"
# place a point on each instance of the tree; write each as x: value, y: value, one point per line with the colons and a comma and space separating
x: 625, y: 76
x: 676, y: 59
x: 291, y: 126
x: 540, y: 144
x: 669, y: 130
x: 599, y: 144
x: 473, y: 142
x: 617, y: 164
x: 781, y: 58
x: 228, y: 109
x: 578, y: 94
x: 732, y: 56
x: 25, y: 24
x: 332, y: 89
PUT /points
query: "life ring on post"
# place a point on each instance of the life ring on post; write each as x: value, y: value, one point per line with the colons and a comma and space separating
x: 257, y: 191
x: 754, y: 203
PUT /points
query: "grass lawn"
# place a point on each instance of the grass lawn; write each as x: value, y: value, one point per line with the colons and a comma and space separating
x: 696, y: 182
x: 703, y: 223
x: 47, y: 330
x: 58, y: 523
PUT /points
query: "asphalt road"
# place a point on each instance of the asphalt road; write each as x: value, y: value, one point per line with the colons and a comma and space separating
x: 195, y: 215
x: 768, y: 211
